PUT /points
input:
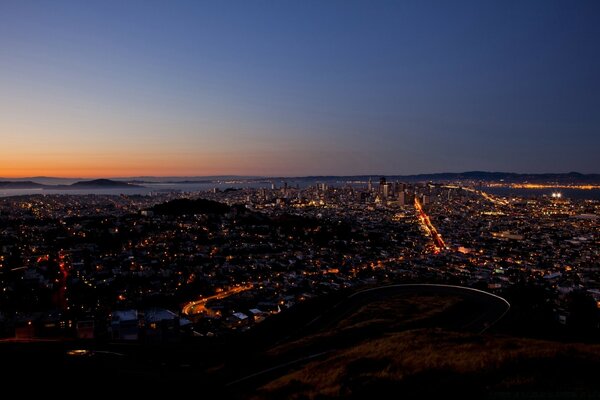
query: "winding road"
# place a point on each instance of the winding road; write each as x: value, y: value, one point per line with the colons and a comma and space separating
x: 198, y: 307
x: 482, y: 312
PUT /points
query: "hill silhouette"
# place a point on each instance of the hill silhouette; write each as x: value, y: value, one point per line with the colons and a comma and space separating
x: 189, y: 206
x: 101, y: 183
x: 20, y: 185
x: 409, y: 346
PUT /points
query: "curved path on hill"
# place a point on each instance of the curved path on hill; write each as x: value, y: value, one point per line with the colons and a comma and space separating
x: 478, y: 312
x: 483, y: 309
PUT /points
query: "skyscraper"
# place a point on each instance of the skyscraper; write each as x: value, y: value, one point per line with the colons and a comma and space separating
x: 386, y: 189
x: 382, y: 183
x: 402, y: 198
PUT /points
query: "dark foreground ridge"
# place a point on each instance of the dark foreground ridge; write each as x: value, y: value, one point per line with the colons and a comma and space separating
x: 402, y: 341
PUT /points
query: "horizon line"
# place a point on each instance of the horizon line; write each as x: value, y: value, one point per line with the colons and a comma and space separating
x: 284, y: 176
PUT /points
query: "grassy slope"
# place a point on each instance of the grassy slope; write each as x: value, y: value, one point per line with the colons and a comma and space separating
x: 377, y: 355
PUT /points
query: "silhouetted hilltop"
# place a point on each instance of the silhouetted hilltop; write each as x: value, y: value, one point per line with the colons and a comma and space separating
x: 92, y: 184
x: 188, y: 206
x: 571, y: 177
x: 101, y: 183
x: 485, y: 176
x: 20, y: 185
x: 471, y: 176
x: 415, y: 346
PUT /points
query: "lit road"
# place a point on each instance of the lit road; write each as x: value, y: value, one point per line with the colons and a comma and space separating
x: 197, y: 307
x: 493, y: 199
x: 60, y: 297
x: 488, y: 197
x: 438, y: 242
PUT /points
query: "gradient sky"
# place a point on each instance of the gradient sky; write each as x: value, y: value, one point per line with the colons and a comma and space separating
x: 128, y: 88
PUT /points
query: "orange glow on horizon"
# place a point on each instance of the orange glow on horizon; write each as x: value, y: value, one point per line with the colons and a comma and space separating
x: 110, y: 173
x: 133, y: 165
x: 92, y: 173
x: 104, y: 172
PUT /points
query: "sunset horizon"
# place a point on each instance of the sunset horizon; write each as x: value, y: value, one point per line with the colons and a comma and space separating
x: 340, y: 88
x: 272, y: 175
x: 326, y: 199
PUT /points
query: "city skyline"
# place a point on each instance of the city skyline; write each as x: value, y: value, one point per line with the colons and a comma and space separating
x: 113, y: 89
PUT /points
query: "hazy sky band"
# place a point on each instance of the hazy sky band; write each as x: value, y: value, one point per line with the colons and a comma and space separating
x: 298, y: 88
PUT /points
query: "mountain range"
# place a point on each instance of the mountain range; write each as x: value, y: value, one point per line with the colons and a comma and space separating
x: 93, y: 184
x: 483, y: 176
x: 136, y: 182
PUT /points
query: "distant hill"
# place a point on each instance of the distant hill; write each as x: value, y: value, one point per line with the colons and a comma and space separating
x: 481, y: 176
x: 188, y: 206
x: 20, y: 185
x: 92, y: 184
x: 101, y: 183
x: 570, y: 177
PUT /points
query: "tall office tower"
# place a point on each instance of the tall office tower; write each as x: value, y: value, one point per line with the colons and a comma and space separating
x: 370, y: 185
x: 284, y: 189
x: 397, y: 187
x: 386, y: 190
x: 402, y: 198
x: 382, y: 182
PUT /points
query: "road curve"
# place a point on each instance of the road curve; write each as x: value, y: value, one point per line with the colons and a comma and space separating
x: 489, y: 309
x: 485, y: 308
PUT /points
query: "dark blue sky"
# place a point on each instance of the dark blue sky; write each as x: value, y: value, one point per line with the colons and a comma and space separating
x: 295, y: 88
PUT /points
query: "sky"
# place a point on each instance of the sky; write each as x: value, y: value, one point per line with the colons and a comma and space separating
x: 293, y: 88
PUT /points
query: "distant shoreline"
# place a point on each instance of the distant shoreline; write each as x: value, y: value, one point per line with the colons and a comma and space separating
x: 562, y: 179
